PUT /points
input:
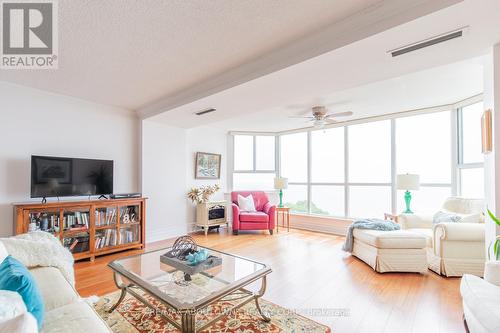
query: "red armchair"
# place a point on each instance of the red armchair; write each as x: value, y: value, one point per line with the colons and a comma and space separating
x: 262, y: 219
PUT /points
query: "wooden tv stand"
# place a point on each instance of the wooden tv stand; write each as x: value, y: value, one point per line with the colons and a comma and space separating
x: 88, y: 228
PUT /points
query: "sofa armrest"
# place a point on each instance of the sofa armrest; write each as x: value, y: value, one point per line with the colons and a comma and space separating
x: 236, y: 216
x: 456, y: 231
x: 270, y: 210
x: 413, y: 221
x: 492, y: 272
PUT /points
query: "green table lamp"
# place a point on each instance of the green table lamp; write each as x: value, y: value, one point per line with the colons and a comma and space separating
x: 408, y: 182
x: 280, y: 183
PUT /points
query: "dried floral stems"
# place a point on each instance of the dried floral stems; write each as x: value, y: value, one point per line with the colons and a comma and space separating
x: 202, y: 194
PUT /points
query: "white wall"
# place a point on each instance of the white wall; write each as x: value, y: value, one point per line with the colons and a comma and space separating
x: 41, y: 123
x: 208, y: 140
x: 164, y: 180
x: 492, y: 160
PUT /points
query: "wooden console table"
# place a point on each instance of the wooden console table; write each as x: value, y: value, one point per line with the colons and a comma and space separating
x: 88, y: 228
x: 284, y: 212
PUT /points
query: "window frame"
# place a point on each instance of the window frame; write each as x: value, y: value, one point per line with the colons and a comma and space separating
x: 254, y: 170
x: 460, y: 165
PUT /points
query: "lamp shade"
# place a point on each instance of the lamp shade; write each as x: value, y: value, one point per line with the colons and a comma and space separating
x: 408, y: 182
x: 280, y: 183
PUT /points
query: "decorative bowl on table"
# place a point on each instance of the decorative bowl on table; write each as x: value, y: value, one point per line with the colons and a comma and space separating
x: 186, y: 257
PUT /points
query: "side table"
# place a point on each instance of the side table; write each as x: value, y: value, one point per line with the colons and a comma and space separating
x: 391, y: 217
x: 284, y: 212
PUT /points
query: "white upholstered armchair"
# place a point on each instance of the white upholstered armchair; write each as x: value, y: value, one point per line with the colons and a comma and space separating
x: 453, y: 248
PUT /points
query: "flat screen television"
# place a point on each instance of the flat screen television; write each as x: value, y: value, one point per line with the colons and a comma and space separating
x: 64, y: 177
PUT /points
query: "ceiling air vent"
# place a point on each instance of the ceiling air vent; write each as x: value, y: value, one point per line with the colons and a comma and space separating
x: 428, y: 42
x: 200, y: 113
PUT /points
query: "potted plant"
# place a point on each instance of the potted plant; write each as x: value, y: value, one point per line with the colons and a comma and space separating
x: 495, y: 244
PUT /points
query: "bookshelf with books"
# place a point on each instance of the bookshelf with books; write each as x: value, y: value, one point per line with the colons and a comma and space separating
x: 48, y: 221
x: 105, y: 238
x: 129, y: 234
x: 105, y: 216
x: 87, y: 228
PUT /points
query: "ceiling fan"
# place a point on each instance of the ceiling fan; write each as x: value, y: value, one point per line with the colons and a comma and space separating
x: 320, y: 116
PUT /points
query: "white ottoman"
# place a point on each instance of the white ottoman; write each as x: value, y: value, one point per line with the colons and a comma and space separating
x: 391, y: 251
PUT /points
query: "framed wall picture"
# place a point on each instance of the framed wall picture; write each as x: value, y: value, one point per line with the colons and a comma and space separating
x: 486, y: 132
x: 207, y: 166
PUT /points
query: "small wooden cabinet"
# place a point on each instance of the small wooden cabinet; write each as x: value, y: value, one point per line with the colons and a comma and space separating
x: 211, y: 214
x: 87, y: 228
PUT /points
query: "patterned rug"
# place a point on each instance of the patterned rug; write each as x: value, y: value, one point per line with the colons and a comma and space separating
x: 134, y: 317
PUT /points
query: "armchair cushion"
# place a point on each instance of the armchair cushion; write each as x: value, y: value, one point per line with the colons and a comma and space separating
x: 246, y: 204
x: 463, y: 206
x: 427, y: 233
x: 447, y: 216
x: 259, y: 198
x: 254, y: 217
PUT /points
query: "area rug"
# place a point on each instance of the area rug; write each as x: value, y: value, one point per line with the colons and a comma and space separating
x: 132, y: 316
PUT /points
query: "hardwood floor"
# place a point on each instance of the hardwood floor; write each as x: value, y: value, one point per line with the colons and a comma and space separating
x: 310, y: 271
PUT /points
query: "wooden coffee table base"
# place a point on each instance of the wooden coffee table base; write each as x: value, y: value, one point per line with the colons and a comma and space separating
x: 188, y: 316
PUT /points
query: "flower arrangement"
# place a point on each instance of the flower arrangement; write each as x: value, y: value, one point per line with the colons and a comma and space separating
x: 202, y: 194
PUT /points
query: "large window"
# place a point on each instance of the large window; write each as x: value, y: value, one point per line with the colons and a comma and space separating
x: 351, y: 170
x: 370, y: 152
x: 369, y: 201
x: 294, y: 157
x: 293, y: 161
x: 254, y: 162
x: 327, y: 156
x: 369, y: 169
x: 470, y: 158
x: 423, y: 147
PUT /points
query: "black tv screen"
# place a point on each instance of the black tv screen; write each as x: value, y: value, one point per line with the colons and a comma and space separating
x: 63, y: 177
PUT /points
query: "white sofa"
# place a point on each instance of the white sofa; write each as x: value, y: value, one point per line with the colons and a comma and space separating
x: 481, y: 300
x: 453, y: 248
x: 65, y: 310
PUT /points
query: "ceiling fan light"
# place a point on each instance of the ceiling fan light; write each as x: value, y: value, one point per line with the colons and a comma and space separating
x: 319, y: 123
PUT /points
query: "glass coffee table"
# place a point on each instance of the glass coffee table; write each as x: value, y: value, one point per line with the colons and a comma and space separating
x: 188, y: 295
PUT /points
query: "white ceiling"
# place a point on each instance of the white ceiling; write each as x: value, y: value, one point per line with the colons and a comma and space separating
x: 129, y: 53
x: 436, y: 75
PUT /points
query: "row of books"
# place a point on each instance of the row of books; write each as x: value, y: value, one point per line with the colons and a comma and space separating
x: 127, y: 236
x: 106, y: 238
x: 105, y: 217
x: 77, y: 221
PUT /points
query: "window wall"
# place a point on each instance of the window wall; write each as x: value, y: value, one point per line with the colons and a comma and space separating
x: 350, y: 171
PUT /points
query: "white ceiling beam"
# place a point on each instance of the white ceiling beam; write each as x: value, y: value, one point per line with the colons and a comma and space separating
x: 375, y: 19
